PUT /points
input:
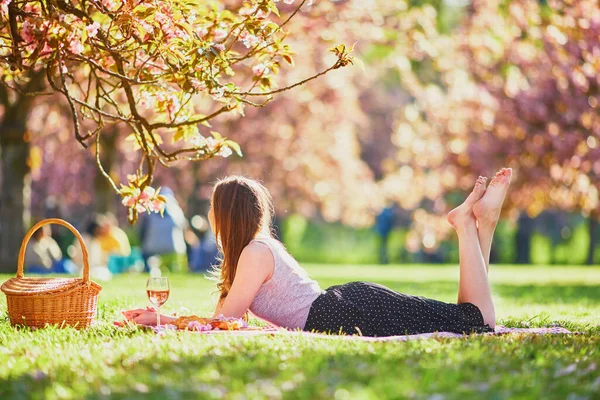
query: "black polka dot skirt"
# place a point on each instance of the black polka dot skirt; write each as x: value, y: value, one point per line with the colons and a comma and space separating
x: 370, y: 309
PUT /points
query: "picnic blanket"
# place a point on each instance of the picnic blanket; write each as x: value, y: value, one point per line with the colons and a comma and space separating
x: 270, y: 330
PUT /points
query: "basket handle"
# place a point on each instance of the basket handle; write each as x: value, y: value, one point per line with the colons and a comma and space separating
x: 86, y: 265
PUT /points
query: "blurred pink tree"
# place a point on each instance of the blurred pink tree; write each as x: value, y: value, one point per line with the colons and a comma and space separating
x: 516, y: 85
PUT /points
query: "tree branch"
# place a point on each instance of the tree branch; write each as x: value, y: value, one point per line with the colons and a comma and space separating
x: 338, y: 64
x: 102, y: 170
x: 81, y: 139
x: 189, y: 122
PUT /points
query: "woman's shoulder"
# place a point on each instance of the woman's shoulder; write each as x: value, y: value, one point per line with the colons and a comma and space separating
x: 259, y: 255
x: 263, y: 246
x: 257, y: 248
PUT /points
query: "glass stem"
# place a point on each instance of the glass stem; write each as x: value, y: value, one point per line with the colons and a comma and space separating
x: 158, y: 316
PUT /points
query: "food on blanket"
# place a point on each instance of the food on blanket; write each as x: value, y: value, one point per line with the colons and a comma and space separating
x: 195, y: 323
x: 184, y: 321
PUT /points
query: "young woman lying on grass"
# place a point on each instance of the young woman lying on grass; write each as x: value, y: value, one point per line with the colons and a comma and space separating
x: 258, y: 274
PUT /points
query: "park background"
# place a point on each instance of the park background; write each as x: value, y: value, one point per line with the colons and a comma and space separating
x: 439, y: 92
x: 446, y: 91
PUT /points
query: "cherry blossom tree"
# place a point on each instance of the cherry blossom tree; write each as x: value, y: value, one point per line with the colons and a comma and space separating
x: 161, y: 68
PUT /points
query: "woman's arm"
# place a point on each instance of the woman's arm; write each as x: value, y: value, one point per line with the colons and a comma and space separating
x: 218, y: 308
x: 256, y: 265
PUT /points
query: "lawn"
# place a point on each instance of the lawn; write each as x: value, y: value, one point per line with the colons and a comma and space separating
x: 105, y: 361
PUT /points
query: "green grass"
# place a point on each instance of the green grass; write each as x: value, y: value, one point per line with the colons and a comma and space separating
x: 105, y: 361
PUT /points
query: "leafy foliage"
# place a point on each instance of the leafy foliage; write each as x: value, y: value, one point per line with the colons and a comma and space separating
x: 515, y: 85
x: 161, y: 67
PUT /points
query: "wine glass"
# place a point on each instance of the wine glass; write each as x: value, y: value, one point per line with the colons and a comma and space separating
x: 158, y: 293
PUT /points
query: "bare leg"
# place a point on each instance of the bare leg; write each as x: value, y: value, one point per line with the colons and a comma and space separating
x: 485, y: 233
x: 465, y: 209
x: 473, y: 286
x: 487, y: 211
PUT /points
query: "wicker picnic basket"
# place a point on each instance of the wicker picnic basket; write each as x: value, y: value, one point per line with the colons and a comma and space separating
x: 35, y: 301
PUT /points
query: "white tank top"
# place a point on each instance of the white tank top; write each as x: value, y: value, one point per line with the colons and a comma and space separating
x: 285, y: 299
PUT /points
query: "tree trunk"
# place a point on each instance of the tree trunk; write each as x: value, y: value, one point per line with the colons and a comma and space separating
x: 105, y: 197
x: 12, y: 194
x: 593, y: 233
x: 15, y: 186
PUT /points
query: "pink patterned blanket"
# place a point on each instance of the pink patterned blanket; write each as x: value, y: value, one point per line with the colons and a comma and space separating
x: 500, y: 330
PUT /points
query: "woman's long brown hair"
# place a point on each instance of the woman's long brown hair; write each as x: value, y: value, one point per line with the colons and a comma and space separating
x: 242, y: 207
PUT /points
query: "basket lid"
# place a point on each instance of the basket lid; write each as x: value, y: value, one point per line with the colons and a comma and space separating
x: 34, y: 286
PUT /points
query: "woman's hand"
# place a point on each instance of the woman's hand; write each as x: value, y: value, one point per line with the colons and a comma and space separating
x: 141, y: 316
x: 145, y: 316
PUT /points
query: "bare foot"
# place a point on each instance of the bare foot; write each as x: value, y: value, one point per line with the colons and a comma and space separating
x: 463, y: 214
x: 487, y: 210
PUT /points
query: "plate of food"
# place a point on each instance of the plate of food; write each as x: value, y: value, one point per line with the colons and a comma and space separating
x: 198, y: 324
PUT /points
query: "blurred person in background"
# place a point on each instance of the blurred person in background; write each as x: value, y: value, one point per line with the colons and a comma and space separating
x: 42, y: 255
x: 164, y: 235
x: 113, y: 240
x: 98, y: 258
x: 54, y: 208
x: 204, y: 254
x: 384, y: 223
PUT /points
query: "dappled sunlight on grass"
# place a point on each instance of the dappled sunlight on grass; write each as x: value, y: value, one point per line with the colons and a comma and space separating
x: 105, y: 361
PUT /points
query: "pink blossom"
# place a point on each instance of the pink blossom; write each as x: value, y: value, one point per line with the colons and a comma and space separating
x: 218, y: 93
x: 248, y: 39
x: 198, y: 84
x: 182, y: 34
x: 110, y: 4
x: 31, y: 7
x: 147, y: 27
x: 247, y: 11
x: 219, y: 34
x: 76, y: 47
x: 197, y: 326
x: 260, y: 14
x: 193, y: 325
x: 27, y: 31
x: 170, y: 101
x: 46, y: 50
x: 147, y: 194
x: 146, y: 100
x: 156, y: 205
x: 212, y: 144
x: 171, y: 108
x: 198, y: 140
x: 92, y: 29
x: 161, y: 18
x: 219, y: 46
x: 260, y: 69
x: 225, y: 152
x: 4, y: 6
x: 129, y: 201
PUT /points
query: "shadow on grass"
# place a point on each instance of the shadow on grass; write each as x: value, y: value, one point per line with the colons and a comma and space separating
x: 280, y: 368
